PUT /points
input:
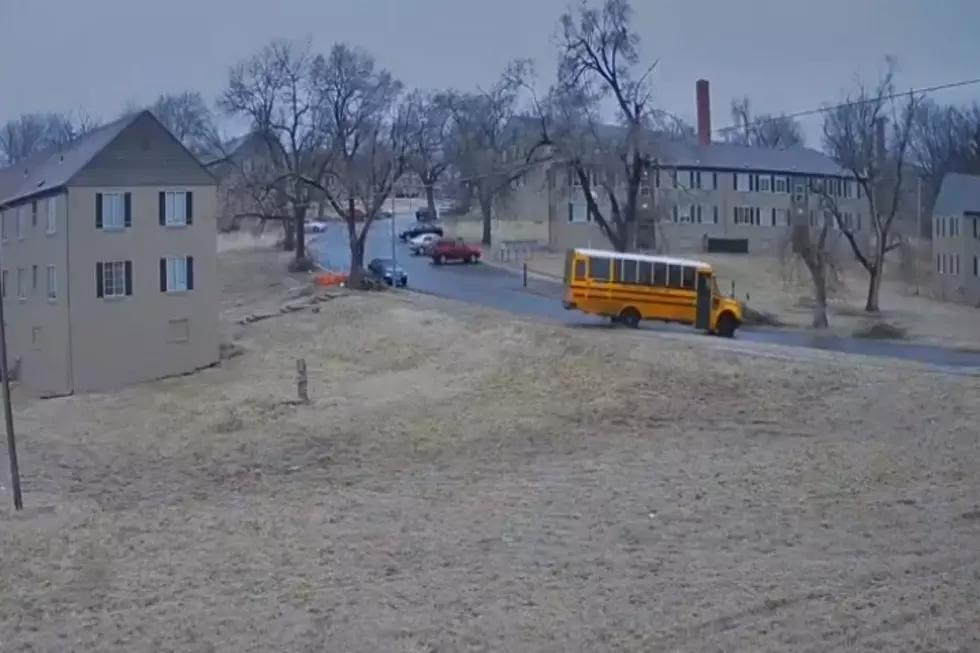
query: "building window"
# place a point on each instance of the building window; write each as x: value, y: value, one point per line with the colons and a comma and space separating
x: 113, y: 279
x: 747, y: 215
x: 695, y: 178
x: 21, y: 222
x: 52, y: 283
x: 52, y: 215
x: 34, y: 213
x: 848, y: 188
x: 578, y: 212
x: 177, y: 274
x: 780, y: 217
x: 21, y: 284
x: 687, y: 214
x: 764, y: 184
x: 954, y: 264
x: 976, y: 227
x: 780, y: 185
x: 743, y: 181
x: 177, y: 207
x: 112, y: 211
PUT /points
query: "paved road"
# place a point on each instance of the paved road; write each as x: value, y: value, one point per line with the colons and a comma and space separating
x: 501, y: 289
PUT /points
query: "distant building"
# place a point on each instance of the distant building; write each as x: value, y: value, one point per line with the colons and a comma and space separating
x: 108, y: 255
x: 956, y: 239
x: 702, y: 196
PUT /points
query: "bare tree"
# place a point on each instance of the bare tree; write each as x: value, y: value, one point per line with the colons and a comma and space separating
x: 598, y: 61
x: 489, y: 138
x: 811, y: 242
x: 368, y: 133
x: 944, y: 140
x: 762, y: 130
x: 188, y: 117
x: 277, y: 91
x: 32, y: 133
x: 431, y: 132
x: 855, y: 136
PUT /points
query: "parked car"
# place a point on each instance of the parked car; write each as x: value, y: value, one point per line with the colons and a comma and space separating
x: 389, y: 271
x: 420, y: 244
x: 423, y: 215
x: 315, y: 226
x: 385, y: 214
x: 453, y: 249
x: 418, y: 230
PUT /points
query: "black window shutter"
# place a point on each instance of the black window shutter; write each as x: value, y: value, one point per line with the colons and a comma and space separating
x: 734, y: 181
x: 128, y: 220
x: 190, y: 207
x: 98, y: 280
x: 163, y: 275
x: 571, y: 212
x: 190, y: 273
x: 129, y: 277
x: 98, y: 212
x: 163, y: 208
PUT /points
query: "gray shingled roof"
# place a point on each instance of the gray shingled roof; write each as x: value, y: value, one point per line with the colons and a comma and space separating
x: 55, y: 168
x: 728, y: 156
x: 957, y: 194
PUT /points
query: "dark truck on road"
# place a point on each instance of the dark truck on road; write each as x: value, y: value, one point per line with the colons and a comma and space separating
x: 453, y: 249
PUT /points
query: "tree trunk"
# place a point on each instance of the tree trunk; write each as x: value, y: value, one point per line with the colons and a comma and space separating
x: 486, y: 210
x: 356, y: 274
x: 301, y: 262
x: 871, y: 305
x: 289, y: 235
x: 430, y: 199
x: 818, y: 274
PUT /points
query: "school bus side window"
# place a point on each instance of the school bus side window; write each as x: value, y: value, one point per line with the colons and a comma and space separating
x: 674, y: 276
x: 626, y: 271
x: 579, y: 268
x: 688, y: 277
x: 660, y: 274
x: 599, y: 269
x: 645, y: 273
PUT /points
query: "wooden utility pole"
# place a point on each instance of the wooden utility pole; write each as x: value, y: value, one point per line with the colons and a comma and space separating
x: 8, y: 411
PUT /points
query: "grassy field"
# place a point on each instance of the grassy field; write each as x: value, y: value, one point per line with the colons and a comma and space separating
x: 784, y: 291
x: 470, y: 227
x: 466, y: 481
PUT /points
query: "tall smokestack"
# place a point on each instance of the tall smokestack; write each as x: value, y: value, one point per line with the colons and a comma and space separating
x: 704, y: 112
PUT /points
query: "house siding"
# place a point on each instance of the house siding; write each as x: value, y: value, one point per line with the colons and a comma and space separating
x: 121, y: 341
x: 959, y: 284
x: 37, y: 328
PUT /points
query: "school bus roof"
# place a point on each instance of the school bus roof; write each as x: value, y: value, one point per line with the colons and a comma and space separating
x: 647, y: 258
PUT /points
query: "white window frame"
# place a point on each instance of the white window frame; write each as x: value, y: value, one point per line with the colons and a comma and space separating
x: 175, y: 208
x: 21, y: 284
x: 743, y: 182
x: 52, y: 215
x: 780, y: 184
x: 113, y: 211
x: 579, y: 213
x: 176, y: 274
x: 52, y: 282
x: 745, y: 216
x: 764, y: 184
x: 114, y: 272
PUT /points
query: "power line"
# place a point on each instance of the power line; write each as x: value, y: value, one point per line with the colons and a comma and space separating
x: 925, y: 90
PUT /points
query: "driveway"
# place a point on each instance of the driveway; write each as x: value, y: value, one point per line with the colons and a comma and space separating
x: 502, y: 289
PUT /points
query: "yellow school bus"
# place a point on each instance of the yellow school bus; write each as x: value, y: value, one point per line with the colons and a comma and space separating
x: 628, y: 288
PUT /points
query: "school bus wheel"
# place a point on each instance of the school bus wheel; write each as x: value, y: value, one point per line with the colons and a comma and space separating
x: 726, y: 325
x: 630, y: 317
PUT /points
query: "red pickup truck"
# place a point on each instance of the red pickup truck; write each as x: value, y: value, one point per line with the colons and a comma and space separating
x: 453, y: 249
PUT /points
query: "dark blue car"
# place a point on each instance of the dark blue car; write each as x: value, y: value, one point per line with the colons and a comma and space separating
x: 392, y: 273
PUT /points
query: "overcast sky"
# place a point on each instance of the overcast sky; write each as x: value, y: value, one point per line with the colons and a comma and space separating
x: 787, y: 55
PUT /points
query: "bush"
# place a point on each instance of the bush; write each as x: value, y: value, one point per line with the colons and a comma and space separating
x: 753, y: 317
x: 880, y: 331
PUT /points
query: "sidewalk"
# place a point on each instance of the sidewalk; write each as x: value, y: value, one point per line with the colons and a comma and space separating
x: 545, y: 266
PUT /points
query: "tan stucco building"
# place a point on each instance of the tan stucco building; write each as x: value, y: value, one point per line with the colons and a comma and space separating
x: 108, y: 257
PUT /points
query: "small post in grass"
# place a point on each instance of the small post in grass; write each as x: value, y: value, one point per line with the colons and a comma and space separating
x: 302, y: 385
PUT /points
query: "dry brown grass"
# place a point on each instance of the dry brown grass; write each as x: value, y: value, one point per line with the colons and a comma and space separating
x: 785, y: 291
x: 468, y: 481
x: 470, y: 227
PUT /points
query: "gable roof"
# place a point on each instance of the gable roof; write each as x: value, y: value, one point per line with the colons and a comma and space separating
x: 958, y: 193
x: 53, y: 169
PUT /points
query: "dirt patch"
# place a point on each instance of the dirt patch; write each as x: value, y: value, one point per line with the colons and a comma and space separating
x: 463, y: 481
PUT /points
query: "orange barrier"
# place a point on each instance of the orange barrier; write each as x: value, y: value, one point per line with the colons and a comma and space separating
x: 330, y: 279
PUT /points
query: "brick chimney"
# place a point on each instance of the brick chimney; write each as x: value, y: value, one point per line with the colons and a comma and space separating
x: 704, y: 112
